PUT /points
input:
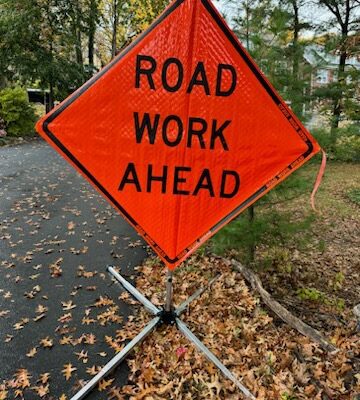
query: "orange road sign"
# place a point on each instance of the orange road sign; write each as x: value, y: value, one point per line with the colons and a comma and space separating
x: 181, y: 131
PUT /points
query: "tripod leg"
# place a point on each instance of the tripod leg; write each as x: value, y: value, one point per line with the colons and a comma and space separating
x: 211, y: 357
x: 131, y: 289
x: 182, y: 307
x: 114, y: 362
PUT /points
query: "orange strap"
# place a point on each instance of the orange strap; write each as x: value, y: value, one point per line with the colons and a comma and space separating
x: 318, y: 180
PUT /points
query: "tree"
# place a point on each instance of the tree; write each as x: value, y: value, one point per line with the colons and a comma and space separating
x: 346, y: 18
x: 270, y: 31
x: 41, y: 44
x: 92, y: 22
x: 297, y: 82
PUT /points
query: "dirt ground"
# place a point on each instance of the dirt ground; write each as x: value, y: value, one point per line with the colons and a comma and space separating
x: 327, y: 270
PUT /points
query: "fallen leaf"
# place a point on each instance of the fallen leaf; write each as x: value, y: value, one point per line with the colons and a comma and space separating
x: 68, y: 305
x: 68, y: 370
x: 104, y: 384
x: 42, y: 390
x: 32, y: 352
x: 47, y: 342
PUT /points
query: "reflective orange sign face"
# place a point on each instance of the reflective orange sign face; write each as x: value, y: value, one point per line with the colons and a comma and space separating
x: 181, y: 132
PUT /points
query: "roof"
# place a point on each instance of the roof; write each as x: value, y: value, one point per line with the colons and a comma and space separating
x: 316, y: 56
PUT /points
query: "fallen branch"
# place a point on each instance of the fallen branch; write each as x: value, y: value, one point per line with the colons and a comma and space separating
x: 281, y: 311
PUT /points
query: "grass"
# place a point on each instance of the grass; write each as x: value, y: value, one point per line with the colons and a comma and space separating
x: 354, y: 196
x: 306, y: 258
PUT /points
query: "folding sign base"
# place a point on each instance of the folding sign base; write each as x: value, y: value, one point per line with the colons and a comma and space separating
x: 167, y: 315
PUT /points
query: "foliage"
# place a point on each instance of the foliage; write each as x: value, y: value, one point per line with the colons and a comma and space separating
x: 347, y: 145
x: 16, y: 111
x: 311, y: 294
x: 315, y: 295
x: 144, y: 12
x: 270, y: 227
x: 345, y: 20
x: 3, y: 132
x: 40, y: 44
x: 270, y: 31
x: 354, y: 196
x: 347, y: 148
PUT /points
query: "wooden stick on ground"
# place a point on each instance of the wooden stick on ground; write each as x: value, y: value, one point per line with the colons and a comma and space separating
x: 281, y: 311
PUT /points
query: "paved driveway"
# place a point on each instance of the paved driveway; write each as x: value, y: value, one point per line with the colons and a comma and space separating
x: 56, y: 237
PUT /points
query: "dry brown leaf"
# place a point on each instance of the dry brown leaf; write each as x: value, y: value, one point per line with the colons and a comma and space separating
x: 93, y: 370
x: 22, y: 378
x: 39, y: 317
x: 104, y: 384
x: 44, y: 378
x: 4, y: 393
x: 83, y: 355
x: 4, y: 313
x: 68, y: 370
x: 47, y: 342
x: 32, y: 352
x: 115, y: 394
x: 71, y: 225
x: 41, y: 390
x: 68, y: 305
x: 66, y: 340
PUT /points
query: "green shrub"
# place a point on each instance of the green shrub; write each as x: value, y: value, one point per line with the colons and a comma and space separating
x: 354, y: 196
x: 16, y: 111
x: 314, y: 295
x: 347, y: 148
x: 323, y: 138
x: 347, y: 145
x: 270, y: 229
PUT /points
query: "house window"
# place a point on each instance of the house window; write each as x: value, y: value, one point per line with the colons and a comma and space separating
x: 321, y: 76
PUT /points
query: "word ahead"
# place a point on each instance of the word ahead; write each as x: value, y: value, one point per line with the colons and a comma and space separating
x: 179, y: 177
x: 200, y: 132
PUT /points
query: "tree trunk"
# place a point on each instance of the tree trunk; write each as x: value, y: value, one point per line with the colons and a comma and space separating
x: 50, y: 106
x: 247, y: 16
x: 114, y: 32
x: 92, y: 29
x: 295, y: 66
x: 296, y: 106
x: 77, y: 34
x: 251, y: 211
x: 337, y: 108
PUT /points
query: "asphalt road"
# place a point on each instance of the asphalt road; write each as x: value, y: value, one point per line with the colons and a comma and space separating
x: 57, y: 234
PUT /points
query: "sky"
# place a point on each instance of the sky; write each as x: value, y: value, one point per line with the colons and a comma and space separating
x: 310, y: 12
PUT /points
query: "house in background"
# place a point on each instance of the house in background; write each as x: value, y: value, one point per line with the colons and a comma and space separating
x: 325, y: 65
x: 323, y: 71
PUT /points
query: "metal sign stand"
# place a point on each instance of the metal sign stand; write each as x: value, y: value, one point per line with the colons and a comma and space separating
x: 168, y: 315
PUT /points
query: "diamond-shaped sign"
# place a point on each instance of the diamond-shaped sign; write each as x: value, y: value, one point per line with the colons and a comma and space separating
x: 181, y: 131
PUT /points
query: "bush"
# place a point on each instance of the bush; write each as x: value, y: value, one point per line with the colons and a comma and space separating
x: 354, y: 196
x: 16, y: 111
x: 324, y: 139
x: 347, y: 145
x: 269, y: 227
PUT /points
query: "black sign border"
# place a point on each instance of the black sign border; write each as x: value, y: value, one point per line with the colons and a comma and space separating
x: 275, y: 97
